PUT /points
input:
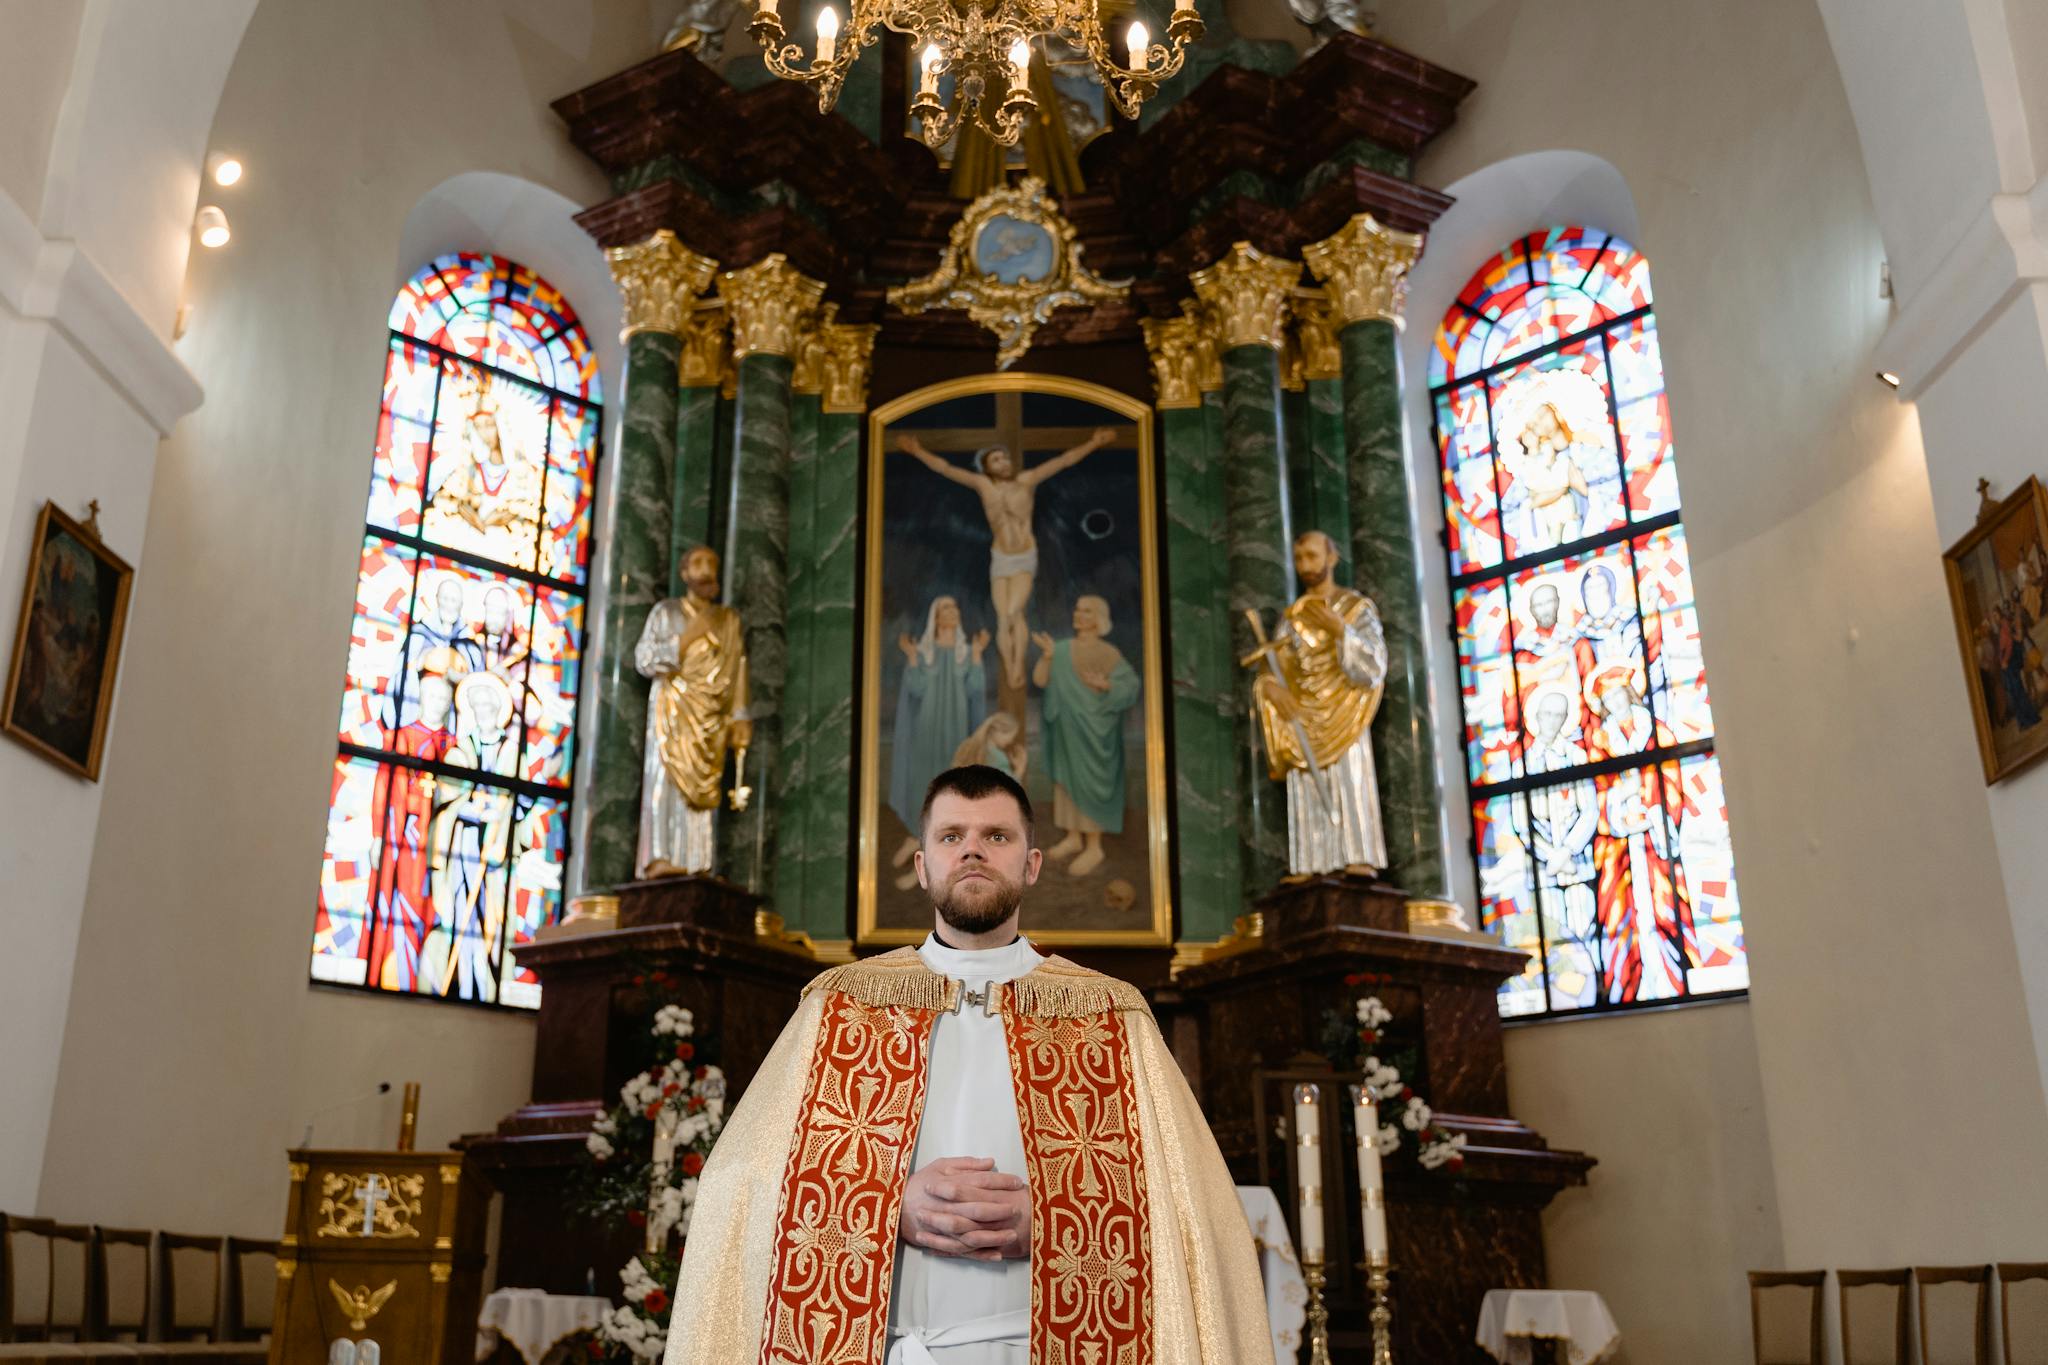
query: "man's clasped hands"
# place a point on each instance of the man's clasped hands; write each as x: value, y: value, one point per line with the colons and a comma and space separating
x: 963, y: 1206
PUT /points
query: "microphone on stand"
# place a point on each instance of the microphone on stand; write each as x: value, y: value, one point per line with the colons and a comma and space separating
x: 383, y: 1088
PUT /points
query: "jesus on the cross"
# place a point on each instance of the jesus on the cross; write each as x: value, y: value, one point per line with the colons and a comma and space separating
x: 1009, y: 495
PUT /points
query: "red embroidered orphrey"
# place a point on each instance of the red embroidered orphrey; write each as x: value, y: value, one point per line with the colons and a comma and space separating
x: 842, y: 1191
x: 1091, y: 1246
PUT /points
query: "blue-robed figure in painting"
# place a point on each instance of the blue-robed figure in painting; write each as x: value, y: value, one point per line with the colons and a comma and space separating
x: 942, y: 700
x: 1088, y: 686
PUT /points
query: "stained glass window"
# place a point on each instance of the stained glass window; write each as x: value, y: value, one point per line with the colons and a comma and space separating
x: 448, y: 816
x: 1598, y: 819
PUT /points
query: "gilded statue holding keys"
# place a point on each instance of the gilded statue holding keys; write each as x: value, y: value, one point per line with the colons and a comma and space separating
x: 1319, y: 685
x: 694, y: 650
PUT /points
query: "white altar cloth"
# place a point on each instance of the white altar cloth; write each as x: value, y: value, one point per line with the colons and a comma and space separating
x: 1511, y: 1319
x: 533, y: 1321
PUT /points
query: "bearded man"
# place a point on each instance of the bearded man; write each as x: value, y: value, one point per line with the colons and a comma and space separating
x: 968, y: 1154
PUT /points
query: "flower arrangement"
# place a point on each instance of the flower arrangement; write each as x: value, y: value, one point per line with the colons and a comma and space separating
x: 646, y: 1154
x: 1362, y: 1039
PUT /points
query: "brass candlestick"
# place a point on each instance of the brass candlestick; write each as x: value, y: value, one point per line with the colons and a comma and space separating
x: 409, y: 1117
x: 1378, y: 1279
x: 1318, y: 1313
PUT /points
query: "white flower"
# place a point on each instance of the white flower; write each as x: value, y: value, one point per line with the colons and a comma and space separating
x: 674, y: 1021
x: 667, y: 1211
x: 603, y: 1124
x: 1381, y: 1079
x: 1389, y: 1139
x: 1417, y: 1115
x: 635, y: 1281
x: 599, y: 1145
x: 1372, y: 1014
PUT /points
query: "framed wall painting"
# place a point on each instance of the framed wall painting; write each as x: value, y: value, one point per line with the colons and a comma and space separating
x: 1011, y: 616
x: 1998, y: 586
x: 67, y: 645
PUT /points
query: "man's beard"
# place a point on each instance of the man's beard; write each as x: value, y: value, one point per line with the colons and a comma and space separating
x: 985, y: 910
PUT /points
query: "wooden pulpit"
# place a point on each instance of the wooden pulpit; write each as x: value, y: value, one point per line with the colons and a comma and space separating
x: 385, y: 1247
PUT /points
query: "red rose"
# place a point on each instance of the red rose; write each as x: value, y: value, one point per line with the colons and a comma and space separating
x: 692, y: 1163
x: 670, y: 1089
x: 686, y: 1050
x: 1368, y: 1036
x: 636, y: 1218
x: 660, y: 978
x: 1407, y: 1093
x: 655, y: 1301
x: 639, y: 980
x: 1456, y: 1163
x: 654, y: 1110
x: 694, y: 1103
x: 595, y: 1348
x: 701, y: 1072
x: 1354, y: 978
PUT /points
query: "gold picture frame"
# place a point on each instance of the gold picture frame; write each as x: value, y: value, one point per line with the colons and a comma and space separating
x: 1998, y: 590
x: 1156, y: 927
x: 67, y: 644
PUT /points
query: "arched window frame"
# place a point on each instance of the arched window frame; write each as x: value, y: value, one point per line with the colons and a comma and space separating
x: 449, y: 809
x: 1564, y: 318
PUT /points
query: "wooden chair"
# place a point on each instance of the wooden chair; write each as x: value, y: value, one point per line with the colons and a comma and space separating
x: 2023, y: 1311
x: 1873, y: 1310
x: 1784, y: 1316
x: 188, y: 1275
x: 24, y: 1278
x: 122, y: 1261
x: 252, y: 1289
x: 71, y: 1283
x: 1955, y: 1320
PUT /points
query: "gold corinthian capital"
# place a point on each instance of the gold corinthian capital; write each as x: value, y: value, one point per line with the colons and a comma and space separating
x: 1365, y: 264
x: 769, y: 302
x: 1245, y: 294
x: 660, y: 280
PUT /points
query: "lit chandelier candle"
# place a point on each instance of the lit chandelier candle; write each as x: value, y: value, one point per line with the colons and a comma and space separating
x: 828, y: 36
x: 1138, y: 41
x: 1372, y: 1190
x: 928, y: 82
x: 1308, y: 1169
x: 1020, y: 65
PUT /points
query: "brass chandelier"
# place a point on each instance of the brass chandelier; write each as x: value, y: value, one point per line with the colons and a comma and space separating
x: 985, y: 47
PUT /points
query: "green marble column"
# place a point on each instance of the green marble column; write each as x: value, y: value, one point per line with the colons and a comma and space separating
x: 696, y: 452
x: 792, y: 775
x: 1388, y: 571
x: 638, y: 569
x: 829, y: 761
x: 1325, y: 504
x: 1204, y: 686
x: 1261, y: 579
x: 756, y: 583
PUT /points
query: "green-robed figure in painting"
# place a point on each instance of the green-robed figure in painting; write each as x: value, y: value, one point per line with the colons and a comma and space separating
x: 1088, y: 686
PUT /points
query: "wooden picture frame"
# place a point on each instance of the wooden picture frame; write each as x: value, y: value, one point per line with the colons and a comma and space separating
x: 1998, y: 590
x: 67, y: 644
x: 910, y: 570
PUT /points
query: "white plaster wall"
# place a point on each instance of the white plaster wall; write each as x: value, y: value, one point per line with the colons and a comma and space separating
x: 1684, y: 1179
x: 191, y: 1002
x: 32, y: 92
x: 78, y: 442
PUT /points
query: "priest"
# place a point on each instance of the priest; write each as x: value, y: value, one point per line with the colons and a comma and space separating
x: 968, y: 1153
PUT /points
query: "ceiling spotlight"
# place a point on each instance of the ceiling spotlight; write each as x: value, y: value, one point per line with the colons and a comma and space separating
x: 224, y: 169
x: 213, y: 227
x: 1889, y: 378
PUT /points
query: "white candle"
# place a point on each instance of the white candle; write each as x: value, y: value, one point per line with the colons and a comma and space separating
x: 1020, y: 65
x: 1372, y: 1190
x: 1308, y: 1168
x: 828, y: 35
x: 928, y: 83
x: 767, y: 9
x: 1138, y: 41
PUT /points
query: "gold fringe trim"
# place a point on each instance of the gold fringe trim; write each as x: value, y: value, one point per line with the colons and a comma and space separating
x: 1055, y: 989
x: 895, y: 978
x: 1059, y: 989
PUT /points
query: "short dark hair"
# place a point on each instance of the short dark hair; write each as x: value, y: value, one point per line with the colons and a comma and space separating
x: 974, y: 781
